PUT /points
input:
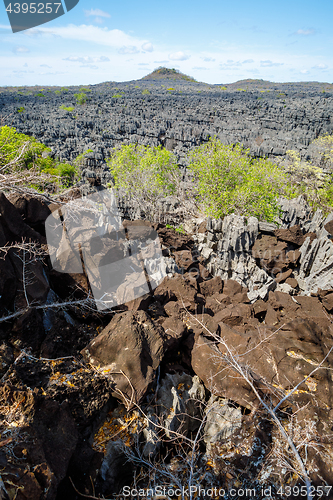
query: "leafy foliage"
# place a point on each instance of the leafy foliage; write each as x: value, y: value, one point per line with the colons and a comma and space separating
x: 324, y: 149
x: 81, y: 98
x: 67, y: 108
x: 229, y: 181
x: 20, y: 153
x: 315, y: 181
x: 144, y: 172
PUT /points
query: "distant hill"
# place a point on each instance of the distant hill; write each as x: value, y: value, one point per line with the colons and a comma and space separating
x: 162, y: 73
x: 262, y: 85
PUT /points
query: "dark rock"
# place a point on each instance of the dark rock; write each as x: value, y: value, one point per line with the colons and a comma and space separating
x: 179, y: 287
x: 217, y: 302
x: 231, y: 288
x: 130, y: 349
x: 270, y: 253
x: 174, y: 329
x: 174, y: 240
x: 292, y: 282
x: 281, y: 361
x: 281, y: 277
x: 32, y: 209
x: 293, y: 235
x: 183, y: 259
x: 13, y: 224
x: 212, y: 286
x: 8, y: 282
x: 329, y: 227
x: 327, y: 302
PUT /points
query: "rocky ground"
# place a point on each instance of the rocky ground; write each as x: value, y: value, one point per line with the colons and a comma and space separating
x: 268, y: 118
x: 198, y: 383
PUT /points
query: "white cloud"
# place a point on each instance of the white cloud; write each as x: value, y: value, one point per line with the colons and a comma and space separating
x: 90, y: 66
x: 87, y: 59
x: 269, y: 64
x: 129, y: 49
x: 147, y: 47
x: 45, y: 66
x: 304, y: 71
x: 208, y: 59
x: 253, y: 71
x: 248, y: 61
x: 89, y: 33
x: 199, y: 68
x: 178, y: 56
x: 21, y: 50
x: 305, y: 32
x: 231, y: 63
x: 52, y: 73
x: 96, y: 12
x: 320, y: 66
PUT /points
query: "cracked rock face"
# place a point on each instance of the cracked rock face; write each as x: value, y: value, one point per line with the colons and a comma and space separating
x: 227, y: 250
x: 316, y: 265
x: 262, y: 257
x: 137, y: 362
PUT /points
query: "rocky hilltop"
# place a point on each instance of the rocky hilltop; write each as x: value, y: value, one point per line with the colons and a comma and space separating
x: 173, y: 111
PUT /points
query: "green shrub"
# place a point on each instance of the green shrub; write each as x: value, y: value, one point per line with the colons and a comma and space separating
x: 145, y: 92
x: 21, y: 109
x: 12, y: 142
x: 144, y: 172
x: 314, y: 180
x: 67, y: 108
x: 68, y: 174
x: 81, y: 98
x: 229, y: 181
x: 33, y: 160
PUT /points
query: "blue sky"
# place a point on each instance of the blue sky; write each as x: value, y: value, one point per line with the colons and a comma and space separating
x: 215, y: 42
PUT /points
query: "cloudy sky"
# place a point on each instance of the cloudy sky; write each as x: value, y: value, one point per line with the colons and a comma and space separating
x: 215, y: 42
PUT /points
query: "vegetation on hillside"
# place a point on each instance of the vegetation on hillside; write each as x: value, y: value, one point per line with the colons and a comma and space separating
x: 162, y: 73
x: 226, y: 179
x: 26, y: 162
x: 146, y: 173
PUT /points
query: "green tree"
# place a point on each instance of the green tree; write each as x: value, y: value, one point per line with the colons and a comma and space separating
x: 324, y: 151
x: 312, y: 179
x: 25, y: 161
x: 81, y: 98
x: 67, y: 108
x: 228, y: 181
x: 145, y: 173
